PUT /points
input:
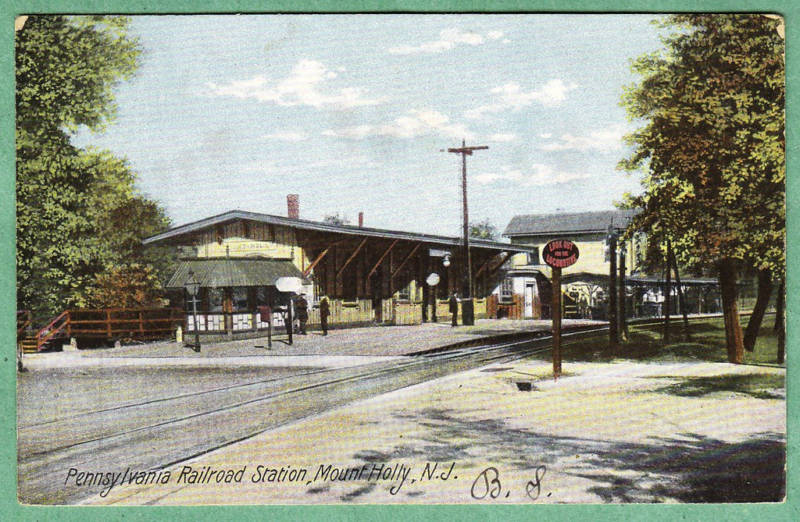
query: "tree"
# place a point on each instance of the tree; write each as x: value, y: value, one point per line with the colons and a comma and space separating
x: 126, y: 286
x: 71, y: 203
x: 713, y: 148
x: 336, y: 219
x: 483, y: 230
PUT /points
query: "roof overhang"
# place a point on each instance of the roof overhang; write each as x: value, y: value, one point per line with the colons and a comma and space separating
x: 182, y: 232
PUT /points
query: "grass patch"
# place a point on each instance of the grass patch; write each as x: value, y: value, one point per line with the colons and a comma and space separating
x: 707, y: 343
x: 759, y: 386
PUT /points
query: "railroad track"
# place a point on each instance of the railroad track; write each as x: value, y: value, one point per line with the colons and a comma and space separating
x: 159, y: 433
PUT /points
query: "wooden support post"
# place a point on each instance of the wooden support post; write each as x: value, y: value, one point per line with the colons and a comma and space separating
x: 380, y: 259
x: 349, y: 259
x: 613, y: 331
x: 405, y: 260
x: 623, y: 324
x: 320, y: 257
x: 556, y: 322
x: 482, y: 268
x: 497, y: 266
x: 108, y: 323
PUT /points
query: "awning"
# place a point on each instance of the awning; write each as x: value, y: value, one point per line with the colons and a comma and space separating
x: 218, y: 273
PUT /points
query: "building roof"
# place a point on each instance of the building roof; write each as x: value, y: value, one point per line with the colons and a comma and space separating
x: 176, y: 233
x: 571, y: 223
x: 238, y: 271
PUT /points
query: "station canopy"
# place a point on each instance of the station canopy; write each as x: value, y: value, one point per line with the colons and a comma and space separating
x: 229, y: 272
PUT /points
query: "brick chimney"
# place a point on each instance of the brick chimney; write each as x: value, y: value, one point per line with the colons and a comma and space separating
x: 360, y: 219
x: 293, y: 205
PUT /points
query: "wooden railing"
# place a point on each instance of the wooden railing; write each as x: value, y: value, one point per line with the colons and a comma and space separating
x: 110, y: 323
x: 56, y: 328
x: 24, y: 319
x: 115, y: 323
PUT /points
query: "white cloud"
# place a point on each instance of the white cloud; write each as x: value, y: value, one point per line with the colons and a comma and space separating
x: 412, y: 124
x: 607, y: 139
x: 503, y: 137
x: 448, y: 38
x: 546, y: 135
x: 288, y: 136
x: 303, y: 86
x: 538, y: 175
x: 512, y: 96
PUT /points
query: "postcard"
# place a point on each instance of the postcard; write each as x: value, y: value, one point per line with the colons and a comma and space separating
x: 462, y: 259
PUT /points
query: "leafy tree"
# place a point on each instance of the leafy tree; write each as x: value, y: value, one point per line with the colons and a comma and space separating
x: 336, y: 219
x: 126, y: 286
x: 713, y: 148
x: 78, y: 214
x: 483, y: 230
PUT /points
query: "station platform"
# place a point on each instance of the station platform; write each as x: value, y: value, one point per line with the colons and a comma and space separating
x: 377, y: 341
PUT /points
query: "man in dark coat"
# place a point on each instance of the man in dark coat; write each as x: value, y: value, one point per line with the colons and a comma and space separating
x: 454, y: 308
x: 301, y: 309
x: 324, y: 312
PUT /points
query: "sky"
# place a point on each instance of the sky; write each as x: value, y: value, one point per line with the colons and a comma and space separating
x: 355, y: 112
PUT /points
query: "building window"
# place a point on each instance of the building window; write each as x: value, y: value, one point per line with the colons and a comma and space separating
x: 533, y: 257
x: 240, y: 299
x: 507, y: 290
x: 215, y: 296
x: 404, y: 294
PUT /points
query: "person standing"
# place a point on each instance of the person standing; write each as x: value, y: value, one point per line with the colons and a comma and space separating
x: 301, y: 309
x: 324, y: 312
x: 454, y: 308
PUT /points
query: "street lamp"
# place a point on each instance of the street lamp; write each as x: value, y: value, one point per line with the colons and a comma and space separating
x: 192, y: 288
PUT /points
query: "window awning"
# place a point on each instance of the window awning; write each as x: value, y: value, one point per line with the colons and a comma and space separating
x: 227, y: 272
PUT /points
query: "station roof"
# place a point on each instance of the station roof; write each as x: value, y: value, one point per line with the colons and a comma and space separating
x: 570, y: 223
x: 176, y: 234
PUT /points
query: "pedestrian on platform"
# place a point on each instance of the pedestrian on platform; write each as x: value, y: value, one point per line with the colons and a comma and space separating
x: 324, y: 312
x: 454, y: 308
x: 301, y: 309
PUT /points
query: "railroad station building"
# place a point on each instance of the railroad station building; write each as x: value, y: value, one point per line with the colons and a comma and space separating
x: 525, y: 291
x: 369, y: 275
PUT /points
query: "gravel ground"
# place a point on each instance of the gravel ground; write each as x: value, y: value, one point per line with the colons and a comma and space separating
x: 615, y: 432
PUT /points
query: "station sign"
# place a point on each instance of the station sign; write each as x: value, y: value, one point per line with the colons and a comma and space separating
x: 560, y: 253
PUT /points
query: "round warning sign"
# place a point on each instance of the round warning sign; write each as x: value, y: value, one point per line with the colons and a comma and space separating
x: 560, y: 253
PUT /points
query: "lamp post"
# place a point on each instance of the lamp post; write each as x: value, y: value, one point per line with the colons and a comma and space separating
x: 192, y: 287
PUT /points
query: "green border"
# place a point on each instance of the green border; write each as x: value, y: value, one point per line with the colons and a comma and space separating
x: 10, y: 510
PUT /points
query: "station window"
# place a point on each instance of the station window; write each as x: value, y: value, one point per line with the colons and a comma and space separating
x: 240, y: 299
x: 404, y: 294
x: 215, y: 296
x: 533, y: 257
x: 507, y: 289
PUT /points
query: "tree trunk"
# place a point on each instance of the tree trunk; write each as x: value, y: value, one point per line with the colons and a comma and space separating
x: 780, y: 327
x: 779, y: 304
x: 667, y: 296
x: 681, y: 298
x: 730, y: 311
x: 754, y: 324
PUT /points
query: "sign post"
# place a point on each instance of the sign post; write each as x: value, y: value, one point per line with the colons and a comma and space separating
x: 558, y: 254
x: 291, y: 286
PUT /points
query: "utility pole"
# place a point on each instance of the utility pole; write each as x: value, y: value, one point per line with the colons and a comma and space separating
x: 468, y: 316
